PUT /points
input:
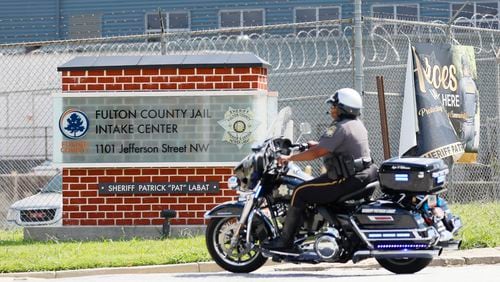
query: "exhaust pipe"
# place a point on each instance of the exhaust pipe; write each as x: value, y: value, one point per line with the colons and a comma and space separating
x: 364, y: 254
x: 452, y: 245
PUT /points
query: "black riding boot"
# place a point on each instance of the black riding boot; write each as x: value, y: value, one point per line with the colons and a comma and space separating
x: 285, y: 242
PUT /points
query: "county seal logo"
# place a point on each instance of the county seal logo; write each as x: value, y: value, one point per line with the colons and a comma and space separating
x: 73, y: 124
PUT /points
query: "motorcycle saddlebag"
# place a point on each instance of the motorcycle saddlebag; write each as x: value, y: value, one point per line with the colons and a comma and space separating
x: 412, y: 175
x: 387, y: 226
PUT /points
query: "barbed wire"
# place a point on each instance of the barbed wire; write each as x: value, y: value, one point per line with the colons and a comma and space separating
x: 325, y: 44
x: 437, y: 30
x: 483, y: 21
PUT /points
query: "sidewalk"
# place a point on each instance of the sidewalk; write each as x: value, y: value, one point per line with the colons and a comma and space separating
x: 455, y: 258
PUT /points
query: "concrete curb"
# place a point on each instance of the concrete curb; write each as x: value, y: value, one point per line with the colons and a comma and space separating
x: 173, y: 268
x: 458, y: 258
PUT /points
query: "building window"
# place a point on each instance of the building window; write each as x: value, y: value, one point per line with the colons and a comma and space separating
x: 303, y: 15
x: 477, y: 14
x: 85, y: 26
x: 316, y: 14
x: 241, y: 18
x: 172, y: 21
x: 406, y: 12
x: 313, y: 14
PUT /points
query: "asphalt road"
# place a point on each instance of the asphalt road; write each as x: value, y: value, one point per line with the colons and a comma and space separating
x: 483, y: 273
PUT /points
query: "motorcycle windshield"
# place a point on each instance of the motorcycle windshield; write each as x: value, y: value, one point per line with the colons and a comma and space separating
x: 280, y: 124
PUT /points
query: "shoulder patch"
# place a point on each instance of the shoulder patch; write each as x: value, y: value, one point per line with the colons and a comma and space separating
x: 330, y: 130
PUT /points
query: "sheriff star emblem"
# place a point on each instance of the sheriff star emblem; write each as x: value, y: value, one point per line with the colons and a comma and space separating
x: 283, y: 190
x: 330, y: 131
x: 239, y: 124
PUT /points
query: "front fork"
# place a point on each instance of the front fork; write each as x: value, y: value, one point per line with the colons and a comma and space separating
x: 249, y: 210
x: 246, y: 216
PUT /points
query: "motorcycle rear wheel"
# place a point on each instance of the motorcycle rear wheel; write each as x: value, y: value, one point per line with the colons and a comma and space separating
x: 240, y: 259
x: 404, y: 265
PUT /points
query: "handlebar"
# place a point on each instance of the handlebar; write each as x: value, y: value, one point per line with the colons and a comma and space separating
x: 301, y: 146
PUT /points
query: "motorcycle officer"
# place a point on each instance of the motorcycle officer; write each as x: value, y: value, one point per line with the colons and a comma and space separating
x: 346, y: 156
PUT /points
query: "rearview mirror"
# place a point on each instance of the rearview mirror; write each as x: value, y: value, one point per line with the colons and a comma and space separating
x: 305, y: 128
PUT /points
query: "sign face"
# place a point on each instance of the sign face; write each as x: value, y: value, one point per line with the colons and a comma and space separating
x: 437, y: 137
x: 102, y: 128
x: 447, y: 100
x: 158, y: 188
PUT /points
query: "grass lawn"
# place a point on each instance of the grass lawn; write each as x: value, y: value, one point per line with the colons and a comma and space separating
x: 17, y: 255
x: 481, y: 224
x: 482, y: 229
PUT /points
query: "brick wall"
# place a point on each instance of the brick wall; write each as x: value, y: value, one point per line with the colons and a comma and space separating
x: 150, y: 79
x: 82, y: 203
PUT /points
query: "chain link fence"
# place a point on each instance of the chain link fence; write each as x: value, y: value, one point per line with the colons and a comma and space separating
x: 309, y: 61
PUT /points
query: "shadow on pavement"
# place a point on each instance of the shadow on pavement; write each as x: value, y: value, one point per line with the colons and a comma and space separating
x: 280, y: 274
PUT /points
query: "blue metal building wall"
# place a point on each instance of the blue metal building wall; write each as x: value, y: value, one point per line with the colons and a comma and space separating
x: 36, y: 20
x: 28, y: 20
x: 122, y: 17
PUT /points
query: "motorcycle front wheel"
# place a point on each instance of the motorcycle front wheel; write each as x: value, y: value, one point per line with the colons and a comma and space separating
x: 404, y: 265
x: 242, y: 258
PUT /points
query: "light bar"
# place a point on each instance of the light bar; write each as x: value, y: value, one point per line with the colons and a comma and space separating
x: 390, y: 235
x: 400, y: 246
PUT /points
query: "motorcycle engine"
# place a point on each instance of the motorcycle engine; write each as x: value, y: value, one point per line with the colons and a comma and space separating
x: 326, y: 245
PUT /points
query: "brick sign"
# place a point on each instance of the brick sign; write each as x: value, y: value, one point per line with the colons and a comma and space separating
x: 136, y: 135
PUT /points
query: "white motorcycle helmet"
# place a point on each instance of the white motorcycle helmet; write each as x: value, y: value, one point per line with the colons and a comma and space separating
x: 347, y: 100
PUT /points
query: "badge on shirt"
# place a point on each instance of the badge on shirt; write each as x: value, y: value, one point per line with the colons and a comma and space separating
x: 330, y: 131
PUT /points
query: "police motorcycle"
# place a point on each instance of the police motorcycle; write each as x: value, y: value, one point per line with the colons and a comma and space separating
x: 403, y: 230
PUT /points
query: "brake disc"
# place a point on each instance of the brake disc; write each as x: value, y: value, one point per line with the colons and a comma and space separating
x: 226, y: 233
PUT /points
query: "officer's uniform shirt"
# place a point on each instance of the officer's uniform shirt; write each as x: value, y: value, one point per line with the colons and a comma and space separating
x: 347, y: 137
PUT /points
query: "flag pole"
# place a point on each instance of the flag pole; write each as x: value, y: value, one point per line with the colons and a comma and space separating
x: 383, y: 117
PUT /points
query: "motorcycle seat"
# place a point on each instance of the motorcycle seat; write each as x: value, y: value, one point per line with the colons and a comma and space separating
x: 360, y: 194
